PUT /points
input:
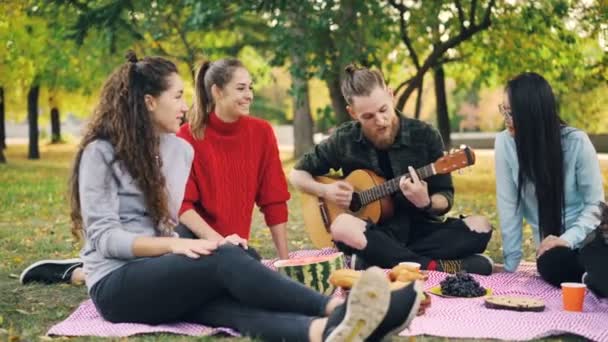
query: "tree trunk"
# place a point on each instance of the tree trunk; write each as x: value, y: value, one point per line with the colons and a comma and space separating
x: 419, y: 99
x: 338, y: 103
x: 443, y: 118
x: 2, y: 119
x: 32, y: 118
x: 55, y: 126
x: 302, y: 119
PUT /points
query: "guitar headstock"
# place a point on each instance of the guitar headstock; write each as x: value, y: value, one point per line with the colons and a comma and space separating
x: 455, y: 160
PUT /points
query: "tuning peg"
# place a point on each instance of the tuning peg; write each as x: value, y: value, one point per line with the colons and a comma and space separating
x: 463, y: 146
x: 459, y: 171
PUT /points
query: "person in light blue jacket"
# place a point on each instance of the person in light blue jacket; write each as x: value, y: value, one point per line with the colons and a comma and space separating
x: 547, y: 173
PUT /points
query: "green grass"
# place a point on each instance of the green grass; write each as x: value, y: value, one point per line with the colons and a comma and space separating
x: 34, y: 224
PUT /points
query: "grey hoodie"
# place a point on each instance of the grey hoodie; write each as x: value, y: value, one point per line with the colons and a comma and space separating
x: 113, y: 207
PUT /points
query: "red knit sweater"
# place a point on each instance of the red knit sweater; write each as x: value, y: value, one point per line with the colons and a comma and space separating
x: 235, y: 165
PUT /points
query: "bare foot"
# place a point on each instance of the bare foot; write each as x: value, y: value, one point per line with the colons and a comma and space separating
x: 332, y: 304
x: 77, y: 277
x: 349, y: 230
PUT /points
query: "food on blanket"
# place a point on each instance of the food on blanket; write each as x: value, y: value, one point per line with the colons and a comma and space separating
x: 405, y: 273
x: 461, y: 285
x: 411, y: 266
x: 313, y: 272
x: 344, y: 278
x: 516, y: 303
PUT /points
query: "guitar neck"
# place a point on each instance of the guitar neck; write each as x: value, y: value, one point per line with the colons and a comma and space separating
x: 392, y: 186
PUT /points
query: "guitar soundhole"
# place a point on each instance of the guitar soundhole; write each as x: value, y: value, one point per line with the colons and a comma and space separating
x: 355, y: 203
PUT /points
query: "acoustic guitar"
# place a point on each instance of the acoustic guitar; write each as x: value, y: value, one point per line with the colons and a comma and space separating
x: 371, y: 197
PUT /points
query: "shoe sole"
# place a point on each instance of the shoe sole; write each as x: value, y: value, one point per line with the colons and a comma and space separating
x: 367, y: 305
x: 48, y: 261
x: 490, y: 261
x: 418, y: 285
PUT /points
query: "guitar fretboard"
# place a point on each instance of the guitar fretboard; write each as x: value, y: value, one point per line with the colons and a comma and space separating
x: 391, y: 186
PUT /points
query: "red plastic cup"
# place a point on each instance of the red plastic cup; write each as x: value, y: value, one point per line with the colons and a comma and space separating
x: 573, y: 295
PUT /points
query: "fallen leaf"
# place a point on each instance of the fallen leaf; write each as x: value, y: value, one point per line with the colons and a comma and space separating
x: 23, y: 312
x: 13, y: 276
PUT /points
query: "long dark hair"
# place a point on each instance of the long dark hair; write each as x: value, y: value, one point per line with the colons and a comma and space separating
x: 603, y: 226
x: 122, y: 118
x: 217, y: 73
x: 538, y: 141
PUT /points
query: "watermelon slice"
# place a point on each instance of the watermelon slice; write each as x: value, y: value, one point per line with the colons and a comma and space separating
x: 314, y: 271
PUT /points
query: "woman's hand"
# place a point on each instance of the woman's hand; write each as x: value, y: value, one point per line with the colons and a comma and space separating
x: 549, y: 242
x: 235, y: 240
x: 193, y: 248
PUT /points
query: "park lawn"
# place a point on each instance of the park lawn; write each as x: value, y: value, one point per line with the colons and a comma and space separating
x: 34, y: 224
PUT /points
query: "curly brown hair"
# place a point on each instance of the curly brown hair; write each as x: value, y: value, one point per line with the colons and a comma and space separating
x: 122, y: 118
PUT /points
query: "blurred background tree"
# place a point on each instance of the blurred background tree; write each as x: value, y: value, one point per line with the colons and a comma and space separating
x: 454, y: 56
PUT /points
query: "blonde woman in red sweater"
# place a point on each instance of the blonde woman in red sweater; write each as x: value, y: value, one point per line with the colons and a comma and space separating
x: 236, y: 161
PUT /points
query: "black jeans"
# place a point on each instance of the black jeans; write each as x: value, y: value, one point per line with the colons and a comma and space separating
x: 228, y: 288
x: 594, y: 256
x: 428, y: 241
x: 560, y: 264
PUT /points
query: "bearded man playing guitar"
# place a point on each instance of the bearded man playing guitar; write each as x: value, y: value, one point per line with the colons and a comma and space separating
x: 389, y: 145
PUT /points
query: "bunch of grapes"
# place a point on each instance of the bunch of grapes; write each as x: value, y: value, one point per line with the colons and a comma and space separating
x: 461, y: 285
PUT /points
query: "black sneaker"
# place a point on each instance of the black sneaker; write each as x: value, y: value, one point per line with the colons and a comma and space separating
x: 50, y: 271
x: 365, y: 308
x: 403, y: 308
x: 477, y: 263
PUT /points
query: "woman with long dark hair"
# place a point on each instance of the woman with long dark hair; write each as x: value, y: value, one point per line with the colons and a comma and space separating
x: 127, y: 187
x: 548, y: 174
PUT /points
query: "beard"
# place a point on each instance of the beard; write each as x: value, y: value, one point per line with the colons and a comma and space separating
x: 383, y: 140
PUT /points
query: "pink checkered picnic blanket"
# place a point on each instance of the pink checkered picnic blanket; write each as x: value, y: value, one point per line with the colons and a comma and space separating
x: 447, y: 317
x: 469, y: 318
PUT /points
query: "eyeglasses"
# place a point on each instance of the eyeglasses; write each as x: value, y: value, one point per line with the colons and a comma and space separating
x: 506, y: 112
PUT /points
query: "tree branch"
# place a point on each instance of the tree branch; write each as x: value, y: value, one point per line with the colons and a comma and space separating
x: 443, y: 61
x: 472, y: 12
x: 404, y: 83
x: 404, y: 35
x: 461, y: 17
x: 440, y: 49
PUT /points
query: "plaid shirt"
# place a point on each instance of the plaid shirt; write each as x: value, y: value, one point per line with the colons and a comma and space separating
x: 416, y: 144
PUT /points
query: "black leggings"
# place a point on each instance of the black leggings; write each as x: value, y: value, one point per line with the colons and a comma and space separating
x: 228, y: 288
